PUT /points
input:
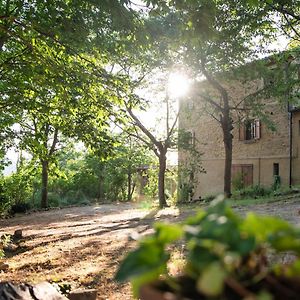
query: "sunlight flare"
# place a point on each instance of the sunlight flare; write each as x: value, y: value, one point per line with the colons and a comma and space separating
x: 178, y: 85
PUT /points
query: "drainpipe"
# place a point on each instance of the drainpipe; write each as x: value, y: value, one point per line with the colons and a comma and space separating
x: 290, y: 120
x: 259, y: 159
x: 290, y: 114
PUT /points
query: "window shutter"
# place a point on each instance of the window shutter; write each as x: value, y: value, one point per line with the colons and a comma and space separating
x: 242, y: 136
x: 257, y: 129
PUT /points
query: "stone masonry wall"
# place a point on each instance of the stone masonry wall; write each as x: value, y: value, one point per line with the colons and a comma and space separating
x: 272, y: 147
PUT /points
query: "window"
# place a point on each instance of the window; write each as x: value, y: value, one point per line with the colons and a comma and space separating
x: 276, y: 169
x: 187, y: 138
x: 192, y: 138
x: 249, y: 130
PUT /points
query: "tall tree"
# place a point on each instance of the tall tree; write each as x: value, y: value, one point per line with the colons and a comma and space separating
x: 212, y: 39
x: 159, y: 141
x: 54, y: 58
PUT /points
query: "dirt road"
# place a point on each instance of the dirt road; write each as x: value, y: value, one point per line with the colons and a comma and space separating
x: 83, y: 245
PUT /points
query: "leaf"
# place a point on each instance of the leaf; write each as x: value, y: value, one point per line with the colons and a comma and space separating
x: 148, y: 258
x: 167, y: 233
x: 211, y: 282
x: 285, y: 241
x: 263, y: 226
x: 264, y: 295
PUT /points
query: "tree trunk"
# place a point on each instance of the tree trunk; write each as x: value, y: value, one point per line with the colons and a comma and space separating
x: 129, y: 183
x: 227, y: 139
x: 100, y: 189
x: 161, y: 179
x: 44, y: 200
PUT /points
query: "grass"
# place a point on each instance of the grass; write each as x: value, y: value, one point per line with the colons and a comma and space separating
x: 253, y: 201
x: 250, y: 196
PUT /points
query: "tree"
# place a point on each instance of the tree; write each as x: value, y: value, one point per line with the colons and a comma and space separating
x: 281, y: 16
x: 158, y: 142
x: 214, y: 38
x: 53, y: 69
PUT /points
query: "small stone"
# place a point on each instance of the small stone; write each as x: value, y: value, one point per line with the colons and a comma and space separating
x: 18, y: 234
x: 3, y: 266
x: 83, y: 295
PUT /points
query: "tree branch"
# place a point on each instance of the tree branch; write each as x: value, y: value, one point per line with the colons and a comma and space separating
x: 143, y: 128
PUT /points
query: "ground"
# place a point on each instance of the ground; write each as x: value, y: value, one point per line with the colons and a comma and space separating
x: 83, y: 245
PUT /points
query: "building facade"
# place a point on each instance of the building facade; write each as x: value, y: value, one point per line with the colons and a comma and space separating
x: 265, y: 150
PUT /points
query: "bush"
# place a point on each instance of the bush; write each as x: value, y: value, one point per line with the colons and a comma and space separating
x: 225, y: 254
x: 209, y: 198
x: 15, y: 192
x: 184, y: 193
x: 237, y: 182
x: 75, y: 197
x: 276, y: 183
x: 19, y: 208
x: 254, y: 192
x: 54, y: 200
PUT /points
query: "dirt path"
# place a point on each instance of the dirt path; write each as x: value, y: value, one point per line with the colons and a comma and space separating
x: 83, y: 245
x: 79, y: 245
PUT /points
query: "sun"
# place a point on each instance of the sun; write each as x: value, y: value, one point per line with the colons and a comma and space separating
x: 178, y: 85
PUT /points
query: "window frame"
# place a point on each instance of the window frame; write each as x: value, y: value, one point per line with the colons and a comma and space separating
x: 250, y: 130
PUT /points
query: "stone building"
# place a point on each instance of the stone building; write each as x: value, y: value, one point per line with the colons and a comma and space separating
x: 259, y: 154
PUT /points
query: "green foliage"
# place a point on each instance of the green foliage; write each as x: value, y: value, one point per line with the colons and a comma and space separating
x: 4, y: 241
x: 254, y: 192
x: 237, y: 181
x: 16, y: 190
x: 151, y: 187
x: 190, y: 167
x: 277, y: 182
x: 220, y: 247
x: 76, y: 178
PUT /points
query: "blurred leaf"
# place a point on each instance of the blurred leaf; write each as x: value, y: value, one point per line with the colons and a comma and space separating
x: 211, y: 281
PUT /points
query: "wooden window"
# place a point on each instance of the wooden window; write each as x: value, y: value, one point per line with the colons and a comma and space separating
x: 249, y: 130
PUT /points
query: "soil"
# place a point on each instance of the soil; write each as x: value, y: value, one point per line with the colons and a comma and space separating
x: 82, y: 246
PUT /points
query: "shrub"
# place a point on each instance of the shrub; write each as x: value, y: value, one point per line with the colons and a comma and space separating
x: 54, y: 200
x: 209, y: 198
x: 254, y: 192
x: 184, y: 192
x: 277, y: 182
x: 237, y: 182
x: 21, y: 207
x: 226, y: 257
x: 15, y: 192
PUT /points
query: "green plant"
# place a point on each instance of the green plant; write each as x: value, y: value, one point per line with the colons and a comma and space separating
x: 237, y: 182
x: 255, y: 191
x: 226, y: 256
x: 277, y: 182
x: 209, y: 198
x: 4, y: 241
x: 150, y: 188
